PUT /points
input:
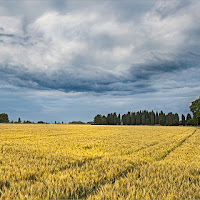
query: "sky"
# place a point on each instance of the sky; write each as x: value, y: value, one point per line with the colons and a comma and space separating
x: 70, y: 60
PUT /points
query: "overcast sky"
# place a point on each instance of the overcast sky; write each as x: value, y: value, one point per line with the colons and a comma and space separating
x: 70, y: 60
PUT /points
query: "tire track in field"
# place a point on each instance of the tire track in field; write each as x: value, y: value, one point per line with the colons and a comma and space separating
x: 97, y: 186
x: 153, y: 144
x: 176, y: 146
x: 134, y: 166
x: 145, y: 147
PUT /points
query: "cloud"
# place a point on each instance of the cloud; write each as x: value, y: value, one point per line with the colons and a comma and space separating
x: 101, y: 49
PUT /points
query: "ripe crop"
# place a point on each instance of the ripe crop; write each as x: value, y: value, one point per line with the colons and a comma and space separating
x: 98, y: 162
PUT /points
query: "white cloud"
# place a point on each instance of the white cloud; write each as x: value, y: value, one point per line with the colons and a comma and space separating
x: 81, y: 47
x: 10, y: 25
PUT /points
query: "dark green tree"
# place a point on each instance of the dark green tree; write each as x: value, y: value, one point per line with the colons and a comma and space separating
x: 183, y: 120
x: 162, y: 118
x: 115, y: 119
x: 176, y: 119
x: 41, y: 122
x: 133, y: 119
x: 152, y: 118
x: 124, y: 119
x: 195, y: 109
x: 104, y: 120
x: 191, y: 122
x: 4, y: 118
x: 169, y: 119
x: 100, y: 120
x: 128, y: 118
x: 119, y: 120
x: 110, y: 119
x: 188, y: 118
x: 157, y: 118
x: 19, y: 120
x: 138, y: 121
x: 148, y: 117
x: 144, y: 117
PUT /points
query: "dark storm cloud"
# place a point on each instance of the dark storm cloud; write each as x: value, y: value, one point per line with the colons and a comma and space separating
x: 70, y: 60
x: 106, y: 47
x: 6, y: 35
x: 146, y: 71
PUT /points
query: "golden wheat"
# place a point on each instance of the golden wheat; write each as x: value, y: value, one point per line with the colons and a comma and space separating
x: 97, y: 162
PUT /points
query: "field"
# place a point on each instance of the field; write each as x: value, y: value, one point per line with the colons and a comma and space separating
x: 98, y: 162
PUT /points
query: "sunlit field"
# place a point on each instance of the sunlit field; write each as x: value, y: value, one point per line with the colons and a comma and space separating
x: 98, y: 162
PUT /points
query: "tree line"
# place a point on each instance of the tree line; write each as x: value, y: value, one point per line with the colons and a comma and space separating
x: 144, y: 118
x: 136, y: 118
x: 152, y: 118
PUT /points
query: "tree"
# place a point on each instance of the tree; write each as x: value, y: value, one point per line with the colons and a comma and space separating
x: 138, y: 121
x: 169, y: 119
x: 100, y: 120
x: 195, y: 109
x: 119, y: 119
x: 110, y: 119
x: 152, y: 118
x: 176, y: 119
x: 41, y: 122
x: 104, y: 120
x: 183, y: 120
x: 162, y: 118
x: 4, y: 118
x: 76, y: 122
x: 188, y: 119
x: 124, y: 119
x: 143, y: 117
x: 191, y: 122
x: 19, y: 120
x: 157, y: 118
x: 133, y: 119
x: 115, y: 119
x: 128, y: 118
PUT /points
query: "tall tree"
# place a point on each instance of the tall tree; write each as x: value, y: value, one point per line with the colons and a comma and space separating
x: 104, y: 120
x: 4, y: 118
x: 183, y: 120
x: 169, y: 119
x: 176, y: 119
x: 100, y: 120
x: 19, y: 120
x: 133, y: 119
x: 124, y: 119
x: 152, y: 118
x: 195, y: 109
x: 97, y: 119
x: 157, y: 118
x: 162, y: 118
x: 119, y: 120
x: 114, y: 118
x: 109, y: 119
x: 188, y: 117
x: 138, y: 122
x: 144, y: 117
x: 128, y: 118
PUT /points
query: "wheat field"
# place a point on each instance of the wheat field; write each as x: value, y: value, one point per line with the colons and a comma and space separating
x: 99, y: 162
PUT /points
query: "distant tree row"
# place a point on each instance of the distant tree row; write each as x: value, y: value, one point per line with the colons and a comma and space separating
x: 151, y: 118
x: 76, y: 122
x: 135, y: 118
x: 144, y: 118
x: 111, y: 119
x: 4, y: 118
